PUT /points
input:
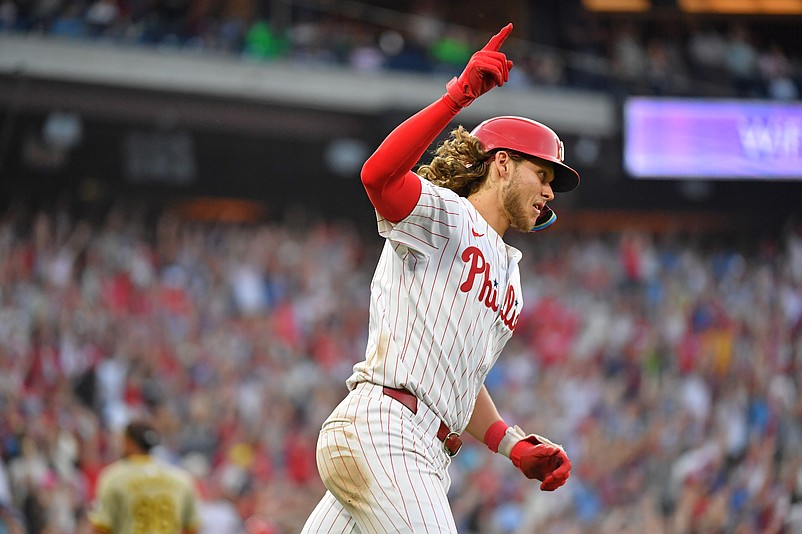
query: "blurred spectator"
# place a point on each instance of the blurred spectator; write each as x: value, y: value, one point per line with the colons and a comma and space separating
x: 586, y: 51
x: 218, y: 513
x: 366, y: 55
x: 101, y: 16
x: 261, y: 42
x: 707, y: 48
x: 776, y: 71
x: 451, y: 51
x: 407, y: 53
x: 666, y: 73
x: 10, y: 520
x: 628, y: 57
x: 742, y: 62
x: 69, y: 23
x: 8, y: 15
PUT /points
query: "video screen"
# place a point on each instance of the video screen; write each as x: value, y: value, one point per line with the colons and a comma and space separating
x: 712, y: 139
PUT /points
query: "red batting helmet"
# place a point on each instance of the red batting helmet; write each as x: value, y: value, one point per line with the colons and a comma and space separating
x: 528, y: 137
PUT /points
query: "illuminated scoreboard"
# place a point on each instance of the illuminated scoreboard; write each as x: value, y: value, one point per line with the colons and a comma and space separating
x: 730, y: 7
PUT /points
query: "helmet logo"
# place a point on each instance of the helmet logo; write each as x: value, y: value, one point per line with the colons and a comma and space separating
x: 560, y: 150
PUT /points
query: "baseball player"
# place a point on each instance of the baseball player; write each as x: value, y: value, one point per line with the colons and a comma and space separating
x: 445, y: 298
x: 140, y: 495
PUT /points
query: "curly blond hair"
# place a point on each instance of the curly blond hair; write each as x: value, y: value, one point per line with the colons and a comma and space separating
x: 460, y: 164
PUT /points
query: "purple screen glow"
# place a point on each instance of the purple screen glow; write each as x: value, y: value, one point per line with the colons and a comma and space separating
x: 712, y: 139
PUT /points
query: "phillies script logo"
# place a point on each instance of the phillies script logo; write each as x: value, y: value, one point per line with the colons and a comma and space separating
x: 488, y: 294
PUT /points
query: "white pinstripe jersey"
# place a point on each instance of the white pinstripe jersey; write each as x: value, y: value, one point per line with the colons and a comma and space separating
x: 445, y: 298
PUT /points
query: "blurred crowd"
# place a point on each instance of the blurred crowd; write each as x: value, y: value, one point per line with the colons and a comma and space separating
x: 668, y: 366
x: 622, y: 56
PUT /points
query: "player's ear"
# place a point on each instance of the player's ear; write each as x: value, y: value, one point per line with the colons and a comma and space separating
x: 503, y: 163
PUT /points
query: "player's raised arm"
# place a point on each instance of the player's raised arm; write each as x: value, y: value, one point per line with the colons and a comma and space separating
x: 387, y: 175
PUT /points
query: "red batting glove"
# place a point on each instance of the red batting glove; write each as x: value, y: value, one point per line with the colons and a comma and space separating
x: 541, y: 459
x: 486, y: 69
x: 534, y: 455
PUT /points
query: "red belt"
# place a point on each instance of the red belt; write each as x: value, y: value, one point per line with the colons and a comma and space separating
x: 451, y: 440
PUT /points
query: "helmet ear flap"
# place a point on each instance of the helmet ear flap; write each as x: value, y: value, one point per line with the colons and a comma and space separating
x: 547, y: 218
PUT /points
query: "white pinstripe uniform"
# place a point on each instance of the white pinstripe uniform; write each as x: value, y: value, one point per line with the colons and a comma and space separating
x: 445, y: 298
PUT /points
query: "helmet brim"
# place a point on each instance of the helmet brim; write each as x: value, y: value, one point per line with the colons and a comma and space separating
x: 565, y: 178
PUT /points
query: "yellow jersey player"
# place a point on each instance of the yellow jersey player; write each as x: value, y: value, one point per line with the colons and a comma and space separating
x: 138, y: 494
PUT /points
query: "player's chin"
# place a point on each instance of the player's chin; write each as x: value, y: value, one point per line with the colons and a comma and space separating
x: 525, y: 220
x: 523, y: 225
x: 531, y: 218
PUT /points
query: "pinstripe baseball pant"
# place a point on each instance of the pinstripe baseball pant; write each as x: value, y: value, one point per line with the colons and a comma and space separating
x: 384, y: 469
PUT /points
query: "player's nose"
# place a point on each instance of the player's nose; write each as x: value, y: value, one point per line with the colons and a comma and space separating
x: 547, y: 192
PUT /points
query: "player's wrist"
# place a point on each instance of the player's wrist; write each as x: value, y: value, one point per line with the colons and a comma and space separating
x: 456, y: 96
x: 494, y: 434
x: 512, y: 437
x: 501, y: 438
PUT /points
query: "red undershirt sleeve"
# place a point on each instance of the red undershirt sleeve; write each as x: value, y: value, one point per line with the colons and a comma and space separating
x: 387, y: 175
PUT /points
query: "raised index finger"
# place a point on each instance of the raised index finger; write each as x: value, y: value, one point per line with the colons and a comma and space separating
x: 497, y: 40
